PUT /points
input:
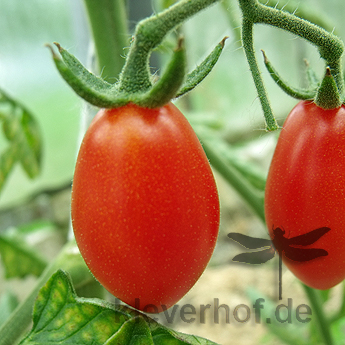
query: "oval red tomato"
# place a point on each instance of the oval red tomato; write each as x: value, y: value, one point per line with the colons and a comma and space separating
x: 305, y: 189
x: 145, y: 207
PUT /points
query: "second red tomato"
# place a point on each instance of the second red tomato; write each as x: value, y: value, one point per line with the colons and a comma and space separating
x: 305, y: 189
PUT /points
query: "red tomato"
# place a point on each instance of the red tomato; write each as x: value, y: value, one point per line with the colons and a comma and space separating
x: 305, y: 189
x: 145, y: 207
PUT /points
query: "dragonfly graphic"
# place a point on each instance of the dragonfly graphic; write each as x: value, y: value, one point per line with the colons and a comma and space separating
x: 265, y: 249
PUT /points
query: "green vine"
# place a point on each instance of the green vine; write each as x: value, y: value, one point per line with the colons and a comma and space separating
x: 330, y: 48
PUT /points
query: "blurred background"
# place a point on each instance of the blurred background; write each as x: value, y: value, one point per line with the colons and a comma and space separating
x: 225, y: 105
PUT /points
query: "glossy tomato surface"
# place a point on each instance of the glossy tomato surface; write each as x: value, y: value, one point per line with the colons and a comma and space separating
x: 145, y: 206
x: 305, y: 189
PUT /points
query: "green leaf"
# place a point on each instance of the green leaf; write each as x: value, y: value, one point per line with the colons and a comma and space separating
x: 22, y: 132
x: 18, y: 258
x: 200, y: 73
x: 167, y: 3
x: 30, y: 145
x: 60, y: 317
x: 165, y: 336
x: 7, y: 162
x: 134, y: 332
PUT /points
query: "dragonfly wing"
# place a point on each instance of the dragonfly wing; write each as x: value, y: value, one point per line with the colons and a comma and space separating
x: 249, y: 242
x: 308, y: 238
x: 255, y: 258
x: 301, y: 254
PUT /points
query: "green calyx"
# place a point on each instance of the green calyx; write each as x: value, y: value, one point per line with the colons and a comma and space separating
x: 136, y: 84
x: 328, y: 95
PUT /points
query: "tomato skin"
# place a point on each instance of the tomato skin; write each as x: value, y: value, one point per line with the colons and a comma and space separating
x: 305, y: 189
x: 145, y: 207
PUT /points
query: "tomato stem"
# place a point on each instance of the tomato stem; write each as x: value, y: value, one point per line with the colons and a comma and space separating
x: 302, y: 11
x: 330, y: 48
x: 108, y: 22
x: 233, y: 20
x: 201, y: 71
x: 316, y: 304
x: 341, y: 311
x: 248, y: 45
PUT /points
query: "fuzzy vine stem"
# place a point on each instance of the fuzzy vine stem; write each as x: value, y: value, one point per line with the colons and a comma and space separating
x: 248, y: 45
x: 330, y: 47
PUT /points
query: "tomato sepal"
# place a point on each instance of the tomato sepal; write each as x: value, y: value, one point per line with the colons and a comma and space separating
x: 328, y: 95
x: 302, y: 94
x: 196, y: 76
x: 135, y: 82
x: 91, y: 88
x: 172, y: 84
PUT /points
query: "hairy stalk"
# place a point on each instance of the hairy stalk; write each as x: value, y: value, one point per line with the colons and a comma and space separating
x: 248, y: 45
